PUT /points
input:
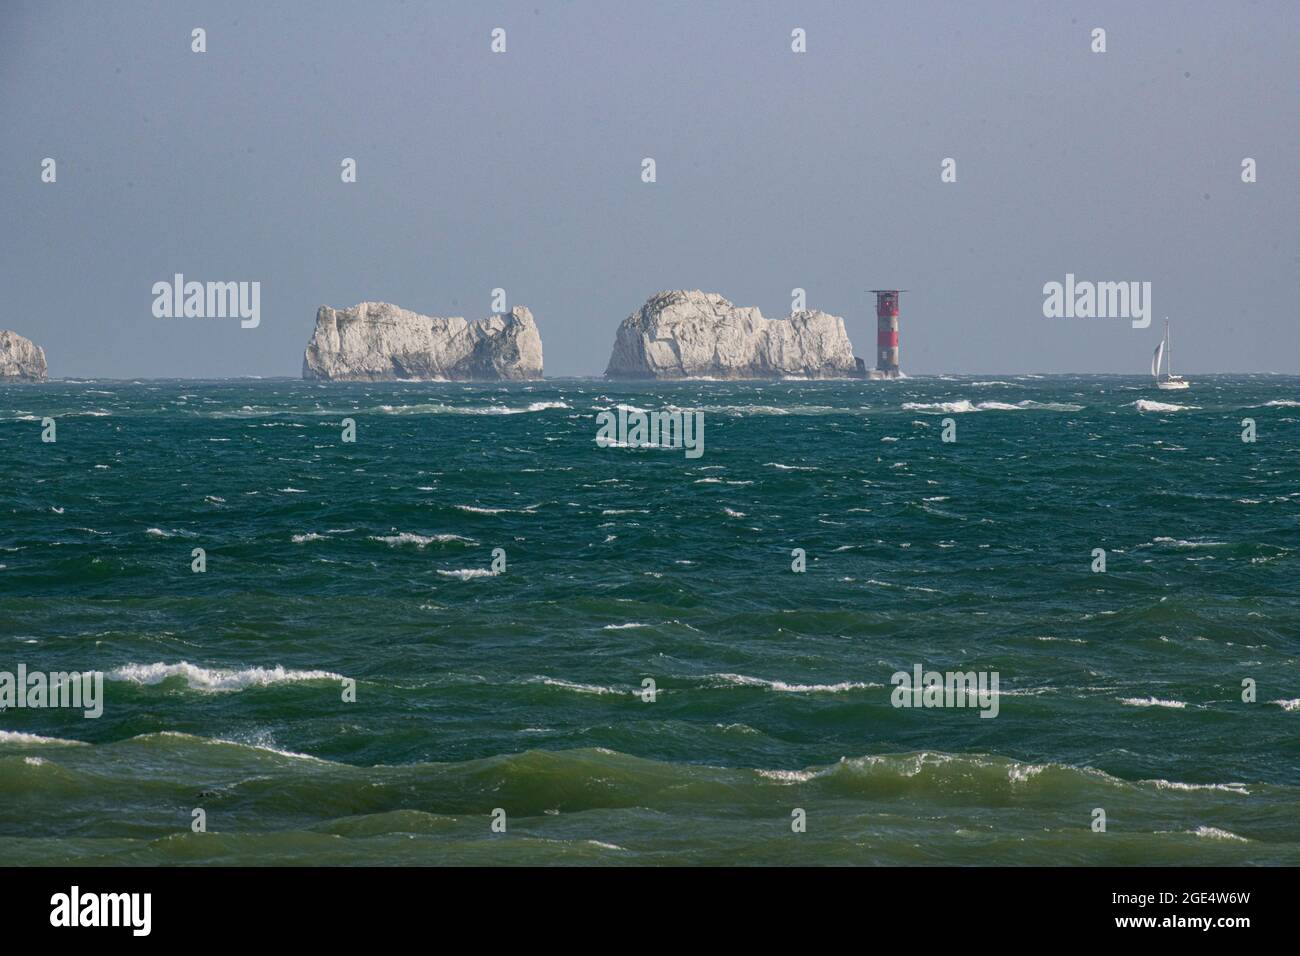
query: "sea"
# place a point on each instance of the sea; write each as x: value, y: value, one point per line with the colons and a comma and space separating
x: 475, y: 635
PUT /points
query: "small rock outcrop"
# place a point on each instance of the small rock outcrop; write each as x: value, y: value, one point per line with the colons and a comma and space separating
x: 376, y: 341
x: 21, y: 360
x: 702, y: 335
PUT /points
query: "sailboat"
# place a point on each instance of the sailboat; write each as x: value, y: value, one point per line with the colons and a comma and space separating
x: 1165, y: 350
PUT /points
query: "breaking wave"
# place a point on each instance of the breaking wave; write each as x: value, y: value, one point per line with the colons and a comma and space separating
x: 437, y: 408
x: 216, y: 679
x: 403, y: 538
x: 466, y: 574
x: 780, y: 686
x: 964, y: 405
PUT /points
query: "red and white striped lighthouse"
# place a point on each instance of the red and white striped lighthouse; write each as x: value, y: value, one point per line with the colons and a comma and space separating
x: 887, y: 332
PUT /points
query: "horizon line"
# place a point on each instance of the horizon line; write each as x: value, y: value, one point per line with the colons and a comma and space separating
x: 74, y: 379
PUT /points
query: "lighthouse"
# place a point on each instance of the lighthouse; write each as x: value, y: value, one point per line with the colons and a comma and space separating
x: 886, y: 333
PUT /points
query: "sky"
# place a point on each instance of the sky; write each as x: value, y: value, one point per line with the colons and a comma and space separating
x: 774, y: 170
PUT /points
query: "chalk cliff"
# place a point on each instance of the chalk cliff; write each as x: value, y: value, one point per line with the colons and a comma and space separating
x: 21, y: 360
x: 376, y: 341
x: 702, y: 335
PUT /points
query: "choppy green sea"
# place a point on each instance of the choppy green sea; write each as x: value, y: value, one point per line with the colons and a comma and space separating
x: 521, y: 690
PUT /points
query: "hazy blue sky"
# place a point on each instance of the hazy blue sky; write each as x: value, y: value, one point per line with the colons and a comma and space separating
x: 775, y: 170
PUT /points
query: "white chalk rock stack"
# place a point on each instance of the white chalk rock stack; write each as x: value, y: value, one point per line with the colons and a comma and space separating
x: 21, y: 360
x: 376, y: 341
x: 702, y: 335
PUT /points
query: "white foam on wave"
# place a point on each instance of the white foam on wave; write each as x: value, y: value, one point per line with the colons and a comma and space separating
x: 604, y: 441
x: 789, y: 776
x: 743, y: 410
x: 1146, y: 405
x: 1214, y: 833
x: 479, y: 510
x: 576, y: 687
x: 1151, y: 702
x: 965, y: 405
x: 23, y: 739
x: 467, y: 574
x: 264, y: 742
x: 215, y: 679
x: 780, y: 686
x: 1237, y: 788
x: 258, y: 741
x: 440, y: 409
x: 421, y: 541
x: 1287, y: 705
x: 1024, y: 772
x: 905, y: 587
x: 160, y: 533
x: 1180, y: 543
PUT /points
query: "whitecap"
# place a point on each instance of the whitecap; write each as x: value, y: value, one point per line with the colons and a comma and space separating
x: 577, y: 688
x: 478, y: 510
x: 216, y: 679
x: 742, y: 680
x: 419, y: 540
x: 1214, y: 833
x: 789, y: 776
x: 1151, y: 702
x: 1237, y: 788
x: 24, y: 739
x: 966, y: 405
x: 465, y: 574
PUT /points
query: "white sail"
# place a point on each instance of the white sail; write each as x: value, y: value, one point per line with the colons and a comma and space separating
x: 1165, y: 351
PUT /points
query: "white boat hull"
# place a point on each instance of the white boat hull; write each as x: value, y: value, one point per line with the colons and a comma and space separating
x: 1172, y: 386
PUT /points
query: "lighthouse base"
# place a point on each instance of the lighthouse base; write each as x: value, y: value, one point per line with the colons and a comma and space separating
x: 875, y: 374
